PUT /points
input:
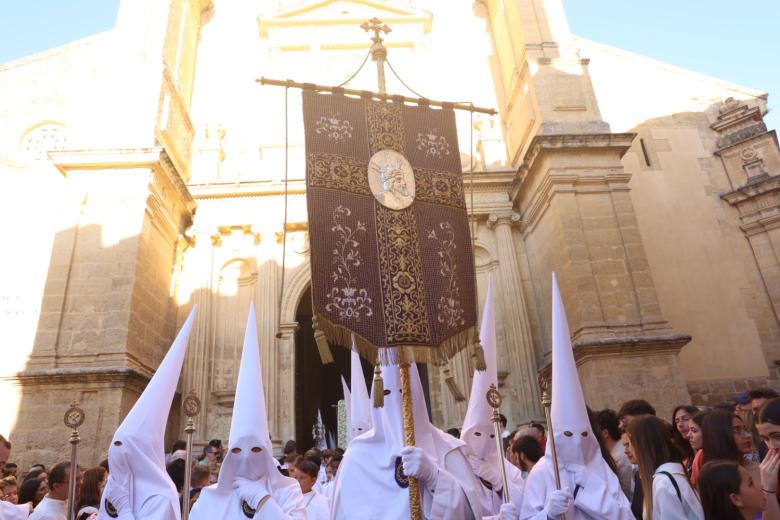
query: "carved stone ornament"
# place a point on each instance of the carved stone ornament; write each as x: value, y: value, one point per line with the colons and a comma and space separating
x: 391, y: 179
x: 75, y: 416
x: 191, y: 405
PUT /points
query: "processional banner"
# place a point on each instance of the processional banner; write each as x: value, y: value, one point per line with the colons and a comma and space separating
x: 391, y: 256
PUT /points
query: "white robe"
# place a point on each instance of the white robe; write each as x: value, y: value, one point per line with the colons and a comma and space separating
x: 50, y: 509
x: 596, y: 500
x: 285, y: 503
x: 491, y: 501
x: 9, y: 511
x: 317, y: 506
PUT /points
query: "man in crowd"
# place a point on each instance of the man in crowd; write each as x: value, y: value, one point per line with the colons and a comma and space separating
x: 631, y: 409
x: 758, y: 397
x: 54, y: 505
x: 610, y: 434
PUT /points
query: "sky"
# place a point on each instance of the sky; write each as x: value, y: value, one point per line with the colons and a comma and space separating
x: 734, y: 42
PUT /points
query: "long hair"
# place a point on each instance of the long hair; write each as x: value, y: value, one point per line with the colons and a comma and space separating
x: 90, y: 488
x: 28, y: 490
x: 651, y: 439
x: 719, y: 479
x: 681, y: 442
x: 718, y: 437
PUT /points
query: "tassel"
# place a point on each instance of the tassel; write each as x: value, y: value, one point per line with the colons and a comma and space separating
x: 322, y: 343
x: 479, y: 356
x: 452, y: 385
x: 379, y: 388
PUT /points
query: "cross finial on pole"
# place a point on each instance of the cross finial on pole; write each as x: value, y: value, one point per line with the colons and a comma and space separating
x: 378, y: 50
x: 376, y: 25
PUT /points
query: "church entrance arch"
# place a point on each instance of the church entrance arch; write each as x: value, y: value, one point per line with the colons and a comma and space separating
x: 318, y: 385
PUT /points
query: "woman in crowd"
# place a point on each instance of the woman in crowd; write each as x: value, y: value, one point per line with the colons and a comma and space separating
x: 728, y: 492
x: 32, y: 491
x: 681, y: 419
x: 724, y: 437
x: 694, y: 437
x: 667, y: 493
x: 91, y: 491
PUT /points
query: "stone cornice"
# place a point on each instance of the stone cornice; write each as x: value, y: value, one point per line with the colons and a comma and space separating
x: 116, y: 376
x: 752, y: 189
x: 541, y: 144
x: 725, y: 149
x: 637, y: 346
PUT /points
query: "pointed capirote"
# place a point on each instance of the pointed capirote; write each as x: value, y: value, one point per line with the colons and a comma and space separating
x: 479, y: 411
x: 361, y: 405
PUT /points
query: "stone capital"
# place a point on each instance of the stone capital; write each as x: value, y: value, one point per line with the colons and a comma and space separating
x: 499, y: 219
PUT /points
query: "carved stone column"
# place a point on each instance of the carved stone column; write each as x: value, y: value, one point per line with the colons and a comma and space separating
x: 267, y: 304
x: 197, y: 274
x: 285, y: 377
x: 522, y: 360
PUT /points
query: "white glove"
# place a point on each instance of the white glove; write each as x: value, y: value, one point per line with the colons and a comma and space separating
x: 559, y: 503
x: 250, y: 491
x: 118, y: 494
x: 417, y: 464
x: 508, y: 512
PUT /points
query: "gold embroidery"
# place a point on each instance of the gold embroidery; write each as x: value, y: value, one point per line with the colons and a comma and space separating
x: 326, y: 170
x: 439, y: 187
x: 403, y: 294
x: 385, y: 126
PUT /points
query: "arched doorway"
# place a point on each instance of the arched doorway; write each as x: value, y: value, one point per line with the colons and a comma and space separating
x: 318, y: 386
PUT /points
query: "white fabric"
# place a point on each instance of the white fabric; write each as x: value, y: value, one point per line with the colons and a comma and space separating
x: 666, y: 505
x: 365, y: 485
x: 348, y: 406
x: 582, y: 469
x: 50, y: 509
x: 136, y: 454
x: 248, y: 431
x: 360, y: 406
x: 9, y: 511
x: 478, y: 431
x: 317, y: 506
x: 625, y: 471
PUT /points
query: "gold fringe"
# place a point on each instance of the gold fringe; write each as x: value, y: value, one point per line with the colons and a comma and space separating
x: 326, y: 356
x: 379, y: 388
x: 338, y: 335
x: 479, y: 356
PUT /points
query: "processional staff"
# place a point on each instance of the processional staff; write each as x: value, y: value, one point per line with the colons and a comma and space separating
x: 191, y: 408
x: 546, y: 402
x: 494, y: 400
x: 74, y: 417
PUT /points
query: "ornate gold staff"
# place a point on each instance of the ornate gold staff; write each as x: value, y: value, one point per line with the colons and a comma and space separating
x: 546, y: 401
x: 378, y: 54
x: 494, y: 400
x: 191, y: 407
x: 74, y: 418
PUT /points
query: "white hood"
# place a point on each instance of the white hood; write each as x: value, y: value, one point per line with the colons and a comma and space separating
x: 360, y: 406
x: 348, y: 406
x: 249, y: 454
x: 477, y: 431
x: 574, y: 440
x: 137, y: 447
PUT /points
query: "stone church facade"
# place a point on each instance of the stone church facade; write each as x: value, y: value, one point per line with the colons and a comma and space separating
x: 146, y: 168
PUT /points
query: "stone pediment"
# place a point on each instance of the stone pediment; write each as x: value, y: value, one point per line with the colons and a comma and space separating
x: 342, y: 12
